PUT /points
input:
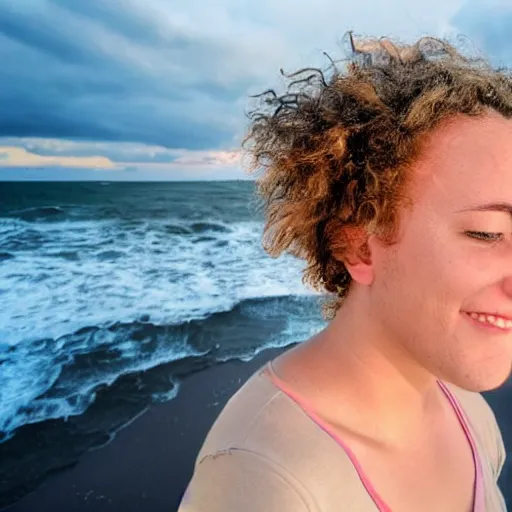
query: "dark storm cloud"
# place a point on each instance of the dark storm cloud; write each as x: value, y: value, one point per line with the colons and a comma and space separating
x: 113, y: 71
x: 177, y: 73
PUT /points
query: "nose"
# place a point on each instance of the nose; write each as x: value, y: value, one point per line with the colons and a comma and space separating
x: 507, y: 286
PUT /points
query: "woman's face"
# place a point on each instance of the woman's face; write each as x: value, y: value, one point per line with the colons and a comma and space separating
x: 453, y: 260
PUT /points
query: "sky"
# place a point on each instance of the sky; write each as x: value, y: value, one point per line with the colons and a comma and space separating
x: 159, y: 90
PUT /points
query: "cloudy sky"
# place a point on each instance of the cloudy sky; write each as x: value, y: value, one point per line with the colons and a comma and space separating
x: 158, y: 89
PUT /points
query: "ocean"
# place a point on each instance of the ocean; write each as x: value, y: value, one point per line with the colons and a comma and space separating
x: 111, y: 293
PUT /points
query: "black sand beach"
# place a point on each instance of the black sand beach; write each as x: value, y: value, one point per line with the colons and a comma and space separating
x: 148, y: 464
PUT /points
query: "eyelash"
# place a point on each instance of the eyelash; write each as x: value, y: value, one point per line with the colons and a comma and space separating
x: 484, y: 236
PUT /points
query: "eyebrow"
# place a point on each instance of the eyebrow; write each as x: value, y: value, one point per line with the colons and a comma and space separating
x: 490, y: 207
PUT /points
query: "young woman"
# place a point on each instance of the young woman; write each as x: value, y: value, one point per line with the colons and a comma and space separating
x: 392, y: 179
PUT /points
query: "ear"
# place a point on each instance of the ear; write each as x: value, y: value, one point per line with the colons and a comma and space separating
x: 358, y: 261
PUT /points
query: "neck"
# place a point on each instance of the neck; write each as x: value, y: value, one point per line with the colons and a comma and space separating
x: 367, y: 376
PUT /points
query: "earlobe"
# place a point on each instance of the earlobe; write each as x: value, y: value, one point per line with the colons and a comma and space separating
x: 358, y: 260
x: 360, y: 266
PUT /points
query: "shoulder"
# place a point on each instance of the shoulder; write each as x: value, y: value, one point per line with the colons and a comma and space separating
x: 483, y: 422
x: 244, y: 463
x: 236, y: 479
x: 249, y: 411
x: 266, y: 445
x: 261, y: 419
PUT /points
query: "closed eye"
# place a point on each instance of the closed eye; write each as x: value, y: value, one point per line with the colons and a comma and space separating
x: 485, y: 236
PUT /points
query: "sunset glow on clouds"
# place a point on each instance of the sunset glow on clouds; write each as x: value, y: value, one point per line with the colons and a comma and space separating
x: 160, y: 89
x: 11, y: 156
x: 53, y: 153
x: 18, y: 157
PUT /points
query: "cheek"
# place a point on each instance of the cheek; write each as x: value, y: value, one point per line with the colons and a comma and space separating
x: 429, y: 284
x: 439, y: 264
x: 468, y: 272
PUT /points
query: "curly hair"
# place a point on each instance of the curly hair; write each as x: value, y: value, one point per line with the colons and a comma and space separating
x: 336, y: 153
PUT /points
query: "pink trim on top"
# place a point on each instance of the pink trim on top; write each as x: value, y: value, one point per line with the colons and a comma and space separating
x: 478, y: 506
x: 478, y: 490
x: 309, y: 410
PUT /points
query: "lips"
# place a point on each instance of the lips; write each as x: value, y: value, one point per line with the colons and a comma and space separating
x: 498, y: 321
x: 496, y: 315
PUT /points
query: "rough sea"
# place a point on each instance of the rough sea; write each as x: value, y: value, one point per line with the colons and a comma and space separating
x: 111, y: 293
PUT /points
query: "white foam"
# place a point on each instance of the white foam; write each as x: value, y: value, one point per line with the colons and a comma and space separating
x: 22, y: 380
x: 26, y: 377
x: 67, y: 284
x: 171, y: 278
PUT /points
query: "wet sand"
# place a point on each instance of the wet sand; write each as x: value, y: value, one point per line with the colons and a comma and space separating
x: 149, y: 463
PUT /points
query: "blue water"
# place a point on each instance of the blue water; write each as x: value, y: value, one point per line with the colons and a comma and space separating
x: 102, y: 280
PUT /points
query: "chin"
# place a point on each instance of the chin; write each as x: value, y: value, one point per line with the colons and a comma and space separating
x: 481, y: 381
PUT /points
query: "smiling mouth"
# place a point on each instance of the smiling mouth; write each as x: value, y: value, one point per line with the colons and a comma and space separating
x: 493, y: 321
